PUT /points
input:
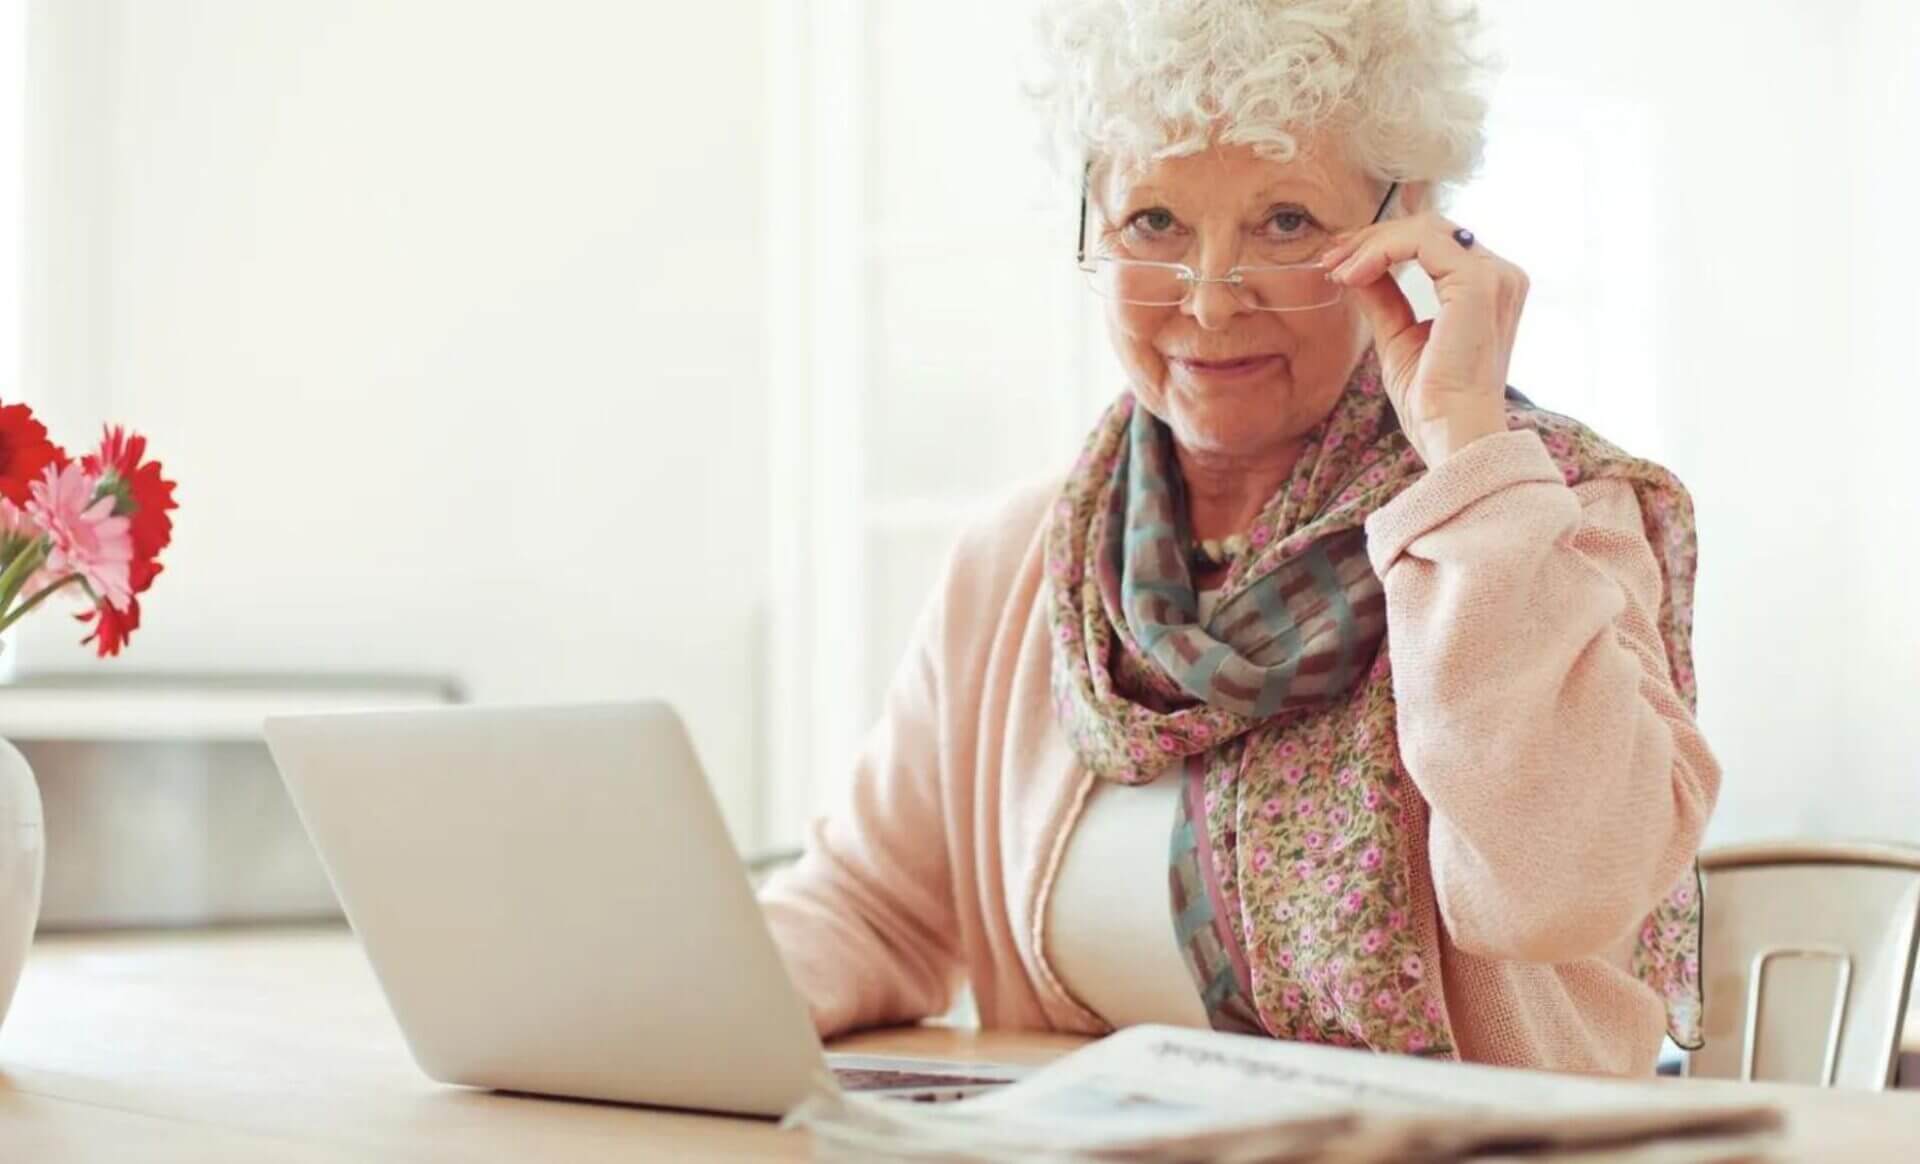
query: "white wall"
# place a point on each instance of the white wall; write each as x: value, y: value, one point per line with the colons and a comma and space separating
x: 1879, y: 406
x: 13, y: 125
x: 447, y: 317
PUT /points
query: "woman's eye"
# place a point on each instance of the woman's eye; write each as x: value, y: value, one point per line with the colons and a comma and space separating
x: 1155, y: 221
x: 1291, y: 221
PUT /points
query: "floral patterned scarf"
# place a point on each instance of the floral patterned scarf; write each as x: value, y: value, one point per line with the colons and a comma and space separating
x: 1300, y: 839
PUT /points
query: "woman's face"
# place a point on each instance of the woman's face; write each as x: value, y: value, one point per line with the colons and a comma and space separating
x: 1229, y: 379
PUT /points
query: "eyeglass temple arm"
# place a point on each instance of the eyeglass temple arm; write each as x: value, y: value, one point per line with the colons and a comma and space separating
x: 1392, y: 189
x: 1080, y: 237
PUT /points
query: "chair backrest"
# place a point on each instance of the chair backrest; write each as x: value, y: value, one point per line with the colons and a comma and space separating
x: 1808, y: 953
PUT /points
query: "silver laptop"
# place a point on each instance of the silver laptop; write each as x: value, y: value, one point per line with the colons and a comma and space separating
x: 552, y: 904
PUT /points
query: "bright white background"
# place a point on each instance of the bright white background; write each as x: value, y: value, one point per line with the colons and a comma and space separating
x: 590, y: 349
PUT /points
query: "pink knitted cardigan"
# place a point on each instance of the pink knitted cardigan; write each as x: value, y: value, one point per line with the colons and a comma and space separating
x: 1566, y: 786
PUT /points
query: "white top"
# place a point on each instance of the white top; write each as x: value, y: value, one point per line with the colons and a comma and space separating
x: 1109, y: 921
x: 1109, y: 929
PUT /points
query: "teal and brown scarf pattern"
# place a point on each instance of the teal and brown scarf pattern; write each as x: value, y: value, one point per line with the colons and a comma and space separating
x: 1293, y: 851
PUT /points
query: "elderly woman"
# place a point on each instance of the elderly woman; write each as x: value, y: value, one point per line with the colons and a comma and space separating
x: 1337, y: 693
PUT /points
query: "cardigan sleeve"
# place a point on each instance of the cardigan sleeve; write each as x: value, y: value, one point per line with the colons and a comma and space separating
x: 1568, y: 783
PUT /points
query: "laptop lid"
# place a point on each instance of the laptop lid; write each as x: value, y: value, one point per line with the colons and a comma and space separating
x: 551, y: 902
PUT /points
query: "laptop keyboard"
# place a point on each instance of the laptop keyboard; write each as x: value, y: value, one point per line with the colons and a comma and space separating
x: 867, y: 1079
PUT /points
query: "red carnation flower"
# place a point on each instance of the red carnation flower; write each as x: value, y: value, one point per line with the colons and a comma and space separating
x: 112, y: 628
x: 25, y: 452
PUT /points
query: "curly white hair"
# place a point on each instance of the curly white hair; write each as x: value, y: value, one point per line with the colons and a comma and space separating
x: 1136, y: 80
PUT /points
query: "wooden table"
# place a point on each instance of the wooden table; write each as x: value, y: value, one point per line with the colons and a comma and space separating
x: 275, y: 1045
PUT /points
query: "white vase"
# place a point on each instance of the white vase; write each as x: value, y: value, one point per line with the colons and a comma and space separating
x: 23, y: 859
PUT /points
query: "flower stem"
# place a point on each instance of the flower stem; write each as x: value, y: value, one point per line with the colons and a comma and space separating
x: 17, y: 572
x: 45, y: 593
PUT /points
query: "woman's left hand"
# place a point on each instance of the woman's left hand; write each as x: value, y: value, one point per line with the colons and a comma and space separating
x: 1446, y: 376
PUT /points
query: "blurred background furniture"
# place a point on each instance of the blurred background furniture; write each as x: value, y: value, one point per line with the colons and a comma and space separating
x: 162, y: 805
x: 1808, y: 958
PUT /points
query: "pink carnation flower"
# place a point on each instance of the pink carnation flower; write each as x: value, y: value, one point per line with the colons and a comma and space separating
x: 86, y: 538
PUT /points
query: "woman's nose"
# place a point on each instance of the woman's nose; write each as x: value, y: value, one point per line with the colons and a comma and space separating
x: 1213, y: 302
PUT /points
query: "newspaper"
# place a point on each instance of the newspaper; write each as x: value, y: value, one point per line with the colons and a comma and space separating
x: 1155, y: 1093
